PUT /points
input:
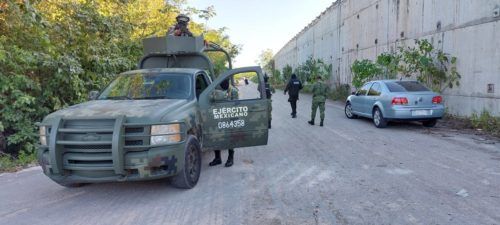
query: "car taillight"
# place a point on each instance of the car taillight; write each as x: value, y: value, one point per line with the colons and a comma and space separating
x: 437, y: 100
x: 400, y: 101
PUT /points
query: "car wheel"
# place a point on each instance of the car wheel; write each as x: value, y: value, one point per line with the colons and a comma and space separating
x: 429, y: 123
x: 378, y: 118
x: 348, y: 111
x: 188, y: 177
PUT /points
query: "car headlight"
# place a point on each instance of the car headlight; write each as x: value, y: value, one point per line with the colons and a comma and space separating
x: 43, y: 135
x: 165, y: 134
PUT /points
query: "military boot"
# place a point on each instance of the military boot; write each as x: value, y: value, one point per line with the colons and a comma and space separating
x: 217, y: 160
x: 311, y: 122
x: 321, y: 123
x: 230, y: 157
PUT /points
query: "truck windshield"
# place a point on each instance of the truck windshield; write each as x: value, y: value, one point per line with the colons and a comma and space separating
x: 149, y: 86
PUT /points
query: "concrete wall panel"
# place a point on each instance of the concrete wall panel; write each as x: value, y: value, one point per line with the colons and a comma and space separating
x: 467, y: 29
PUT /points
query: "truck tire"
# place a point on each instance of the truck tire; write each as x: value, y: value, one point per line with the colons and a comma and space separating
x: 188, y: 177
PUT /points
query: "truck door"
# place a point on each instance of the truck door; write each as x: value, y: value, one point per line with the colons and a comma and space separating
x: 230, y: 121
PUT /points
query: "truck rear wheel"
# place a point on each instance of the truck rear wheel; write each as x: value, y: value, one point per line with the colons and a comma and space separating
x: 188, y: 177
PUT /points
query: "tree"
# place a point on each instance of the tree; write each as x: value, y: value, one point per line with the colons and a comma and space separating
x: 53, y: 52
x: 364, y: 71
x: 266, y: 61
x: 435, y: 68
x: 287, y: 73
x: 312, y: 68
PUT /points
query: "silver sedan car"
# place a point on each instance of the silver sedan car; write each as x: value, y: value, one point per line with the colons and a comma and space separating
x: 395, y: 100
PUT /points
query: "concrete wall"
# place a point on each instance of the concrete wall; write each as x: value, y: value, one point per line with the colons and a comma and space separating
x: 362, y: 29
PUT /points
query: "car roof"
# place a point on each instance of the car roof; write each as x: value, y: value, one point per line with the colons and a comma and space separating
x: 165, y: 70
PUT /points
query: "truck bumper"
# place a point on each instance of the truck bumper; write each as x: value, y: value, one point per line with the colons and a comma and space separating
x: 152, y: 164
x: 121, y: 154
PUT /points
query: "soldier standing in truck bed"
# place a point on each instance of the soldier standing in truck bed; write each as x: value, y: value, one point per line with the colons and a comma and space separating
x: 230, y: 93
x: 181, y: 28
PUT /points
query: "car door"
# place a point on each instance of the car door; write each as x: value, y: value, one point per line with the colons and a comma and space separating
x: 235, y: 123
x: 372, y: 97
x: 357, y: 101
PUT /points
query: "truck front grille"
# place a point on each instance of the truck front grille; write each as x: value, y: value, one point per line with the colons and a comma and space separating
x: 87, y: 144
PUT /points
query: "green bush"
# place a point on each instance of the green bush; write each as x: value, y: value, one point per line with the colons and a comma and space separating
x: 438, y: 70
x: 486, y: 122
x: 341, y: 93
x: 364, y: 71
x: 7, y: 163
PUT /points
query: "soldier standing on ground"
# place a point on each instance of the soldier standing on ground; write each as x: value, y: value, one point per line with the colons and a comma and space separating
x: 269, y: 89
x: 293, y: 88
x: 320, y: 92
x: 230, y: 93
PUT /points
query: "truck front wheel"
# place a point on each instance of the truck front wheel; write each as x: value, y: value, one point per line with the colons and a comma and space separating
x: 190, y: 173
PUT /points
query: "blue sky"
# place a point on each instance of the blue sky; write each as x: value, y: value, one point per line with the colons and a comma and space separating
x: 261, y: 24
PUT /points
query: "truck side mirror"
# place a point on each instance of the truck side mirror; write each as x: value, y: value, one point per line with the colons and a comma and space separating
x: 93, y: 95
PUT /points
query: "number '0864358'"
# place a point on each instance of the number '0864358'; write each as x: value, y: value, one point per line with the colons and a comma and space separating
x: 231, y: 124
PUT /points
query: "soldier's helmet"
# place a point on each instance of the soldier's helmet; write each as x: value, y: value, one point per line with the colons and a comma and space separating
x: 182, y: 18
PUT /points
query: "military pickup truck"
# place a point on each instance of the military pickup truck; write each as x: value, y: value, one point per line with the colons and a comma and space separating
x: 154, y: 122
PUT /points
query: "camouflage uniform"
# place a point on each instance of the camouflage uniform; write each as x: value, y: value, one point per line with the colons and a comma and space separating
x: 230, y: 94
x: 320, y: 92
x: 269, y: 90
x: 272, y: 90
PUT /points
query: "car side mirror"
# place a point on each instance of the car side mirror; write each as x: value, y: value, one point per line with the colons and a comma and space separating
x: 93, y: 95
x: 353, y: 93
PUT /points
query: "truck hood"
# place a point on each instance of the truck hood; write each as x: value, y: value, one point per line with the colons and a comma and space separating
x: 133, y: 110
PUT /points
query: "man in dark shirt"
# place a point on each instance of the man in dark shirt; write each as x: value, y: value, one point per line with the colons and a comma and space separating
x: 293, y: 88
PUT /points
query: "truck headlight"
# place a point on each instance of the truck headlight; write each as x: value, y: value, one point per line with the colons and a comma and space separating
x: 165, y: 134
x: 43, y: 135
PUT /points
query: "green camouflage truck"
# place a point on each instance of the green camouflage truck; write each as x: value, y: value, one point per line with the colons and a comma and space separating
x: 154, y: 122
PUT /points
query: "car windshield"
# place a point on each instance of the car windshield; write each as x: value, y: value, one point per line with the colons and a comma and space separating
x: 149, y: 86
x: 406, y: 86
